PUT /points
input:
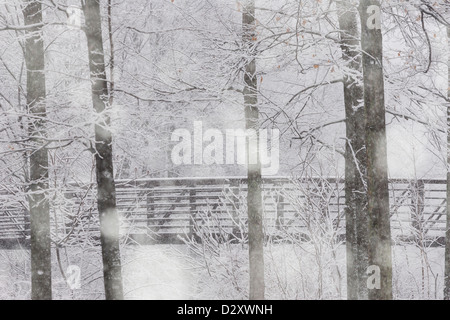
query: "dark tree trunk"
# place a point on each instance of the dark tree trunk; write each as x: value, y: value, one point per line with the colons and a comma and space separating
x: 41, y: 275
x: 447, y: 233
x: 379, y: 240
x: 355, y: 155
x: 254, y: 196
x: 109, y: 220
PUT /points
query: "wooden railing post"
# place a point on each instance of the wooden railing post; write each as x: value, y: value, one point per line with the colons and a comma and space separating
x: 192, y: 210
x: 151, y: 209
x: 280, y: 211
x: 235, y: 202
x: 417, y: 205
x: 26, y: 225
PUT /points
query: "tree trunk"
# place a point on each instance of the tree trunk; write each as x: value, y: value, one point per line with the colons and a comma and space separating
x: 41, y: 275
x: 447, y: 233
x: 379, y: 240
x: 254, y: 196
x: 106, y: 202
x: 355, y: 156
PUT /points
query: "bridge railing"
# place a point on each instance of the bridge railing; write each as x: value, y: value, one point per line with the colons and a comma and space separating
x: 165, y: 209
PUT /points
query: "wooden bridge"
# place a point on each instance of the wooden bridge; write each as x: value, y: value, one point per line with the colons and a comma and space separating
x: 170, y: 210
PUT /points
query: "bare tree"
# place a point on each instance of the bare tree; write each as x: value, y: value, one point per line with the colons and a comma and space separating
x: 441, y: 15
x: 447, y: 232
x: 254, y: 197
x: 41, y: 276
x: 355, y: 155
x: 379, y: 239
x: 106, y: 198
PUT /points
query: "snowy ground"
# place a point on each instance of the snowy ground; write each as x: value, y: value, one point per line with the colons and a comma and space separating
x: 176, y: 272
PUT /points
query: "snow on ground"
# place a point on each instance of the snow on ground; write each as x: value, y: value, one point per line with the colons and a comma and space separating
x: 176, y: 272
x: 157, y: 272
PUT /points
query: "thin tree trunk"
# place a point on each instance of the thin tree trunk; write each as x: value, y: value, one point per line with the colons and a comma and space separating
x: 254, y: 196
x: 112, y: 63
x: 106, y: 202
x: 355, y: 156
x: 379, y: 240
x: 41, y: 275
x: 447, y: 233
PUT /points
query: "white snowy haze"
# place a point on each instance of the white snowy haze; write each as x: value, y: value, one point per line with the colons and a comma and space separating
x: 172, y: 63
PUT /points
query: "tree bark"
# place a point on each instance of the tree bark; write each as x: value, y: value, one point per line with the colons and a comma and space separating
x: 379, y: 240
x: 41, y: 275
x: 106, y: 202
x: 254, y: 196
x: 447, y: 232
x: 355, y: 156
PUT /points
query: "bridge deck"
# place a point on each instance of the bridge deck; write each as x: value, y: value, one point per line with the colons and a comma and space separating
x: 162, y: 210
